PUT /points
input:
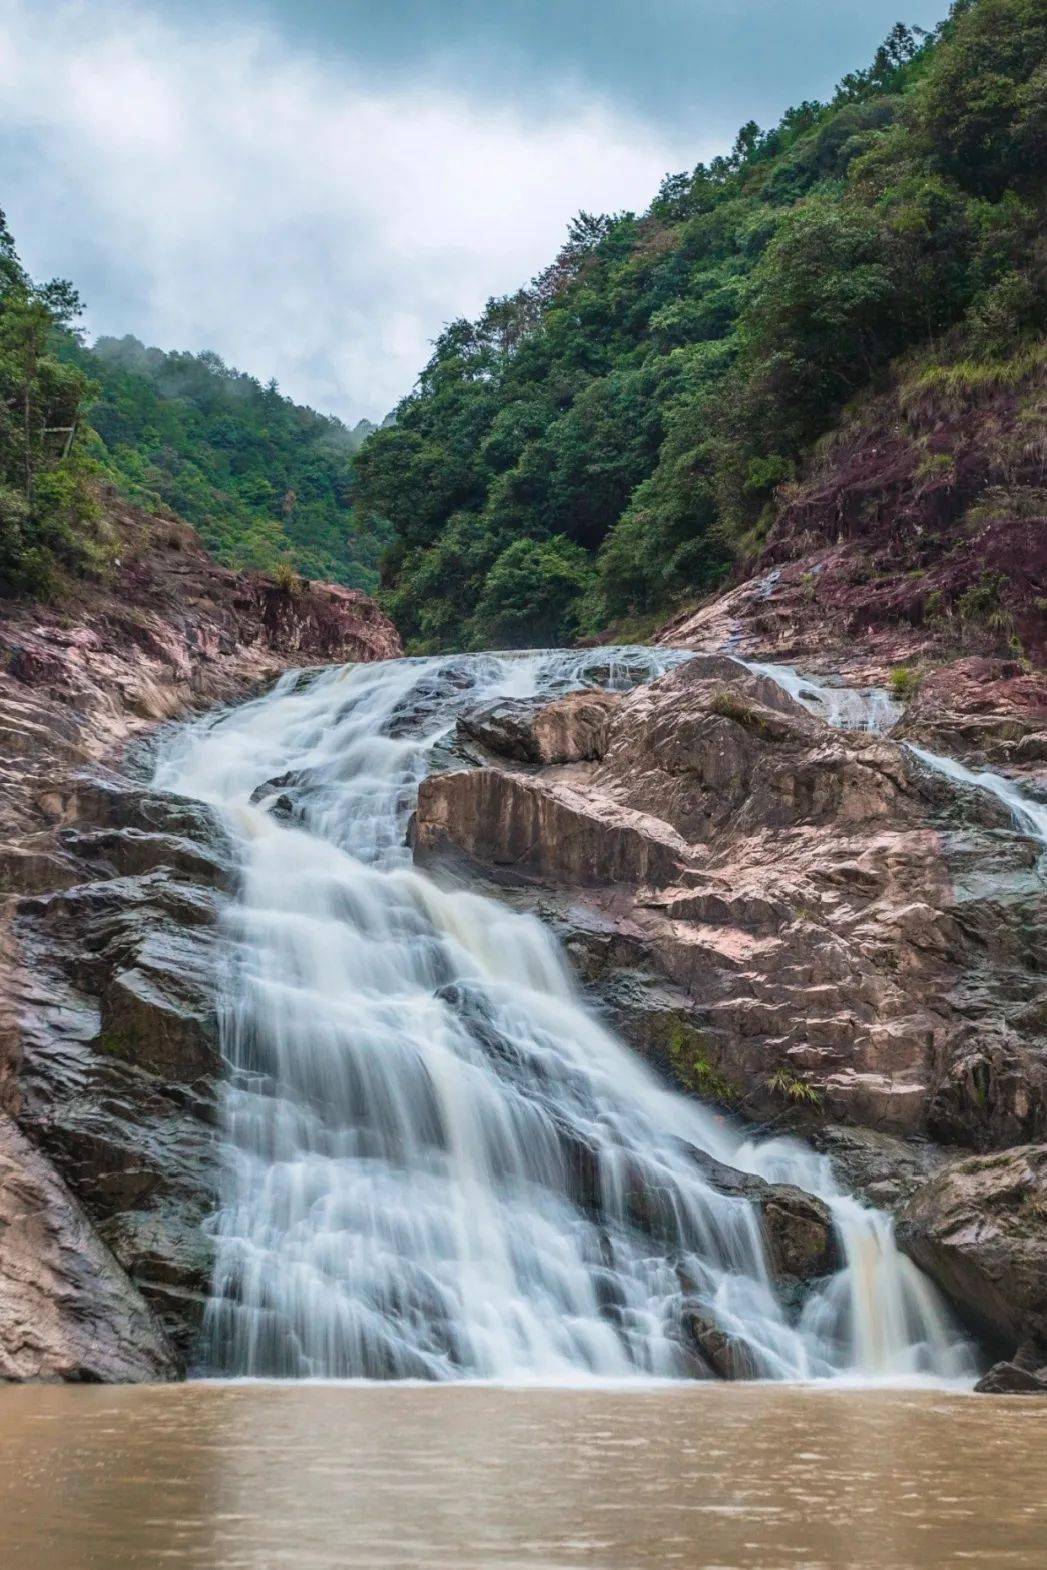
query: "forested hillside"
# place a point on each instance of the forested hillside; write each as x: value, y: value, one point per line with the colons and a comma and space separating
x: 614, y: 438
x: 262, y: 479
x: 268, y: 484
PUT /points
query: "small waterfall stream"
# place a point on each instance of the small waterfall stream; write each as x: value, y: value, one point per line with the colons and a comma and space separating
x: 1029, y: 816
x: 847, y: 708
x: 874, y: 709
x: 440, y: 1162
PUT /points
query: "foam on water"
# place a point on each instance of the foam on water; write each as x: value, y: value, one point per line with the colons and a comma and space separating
x: 440, y: 1163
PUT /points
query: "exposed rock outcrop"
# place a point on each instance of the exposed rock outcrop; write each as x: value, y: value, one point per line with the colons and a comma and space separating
x: 571, y: 729
x: 67, y: 1310
x: 109, y: 1061
x: 979, y: 1228
x: 853, y: 937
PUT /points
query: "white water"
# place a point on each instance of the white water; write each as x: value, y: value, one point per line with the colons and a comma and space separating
x: 846, y: 708
x: 873, y: 709
x: 441, y: 1164
x: 1029, y: 816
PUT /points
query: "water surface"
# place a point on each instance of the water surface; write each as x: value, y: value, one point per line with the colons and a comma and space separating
x: 444, y: 1477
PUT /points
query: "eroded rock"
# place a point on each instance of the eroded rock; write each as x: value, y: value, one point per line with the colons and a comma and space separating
x: 108, y: 1044
x: 979, y: 1229
x: 852, y: 939
x: 67, y: 1310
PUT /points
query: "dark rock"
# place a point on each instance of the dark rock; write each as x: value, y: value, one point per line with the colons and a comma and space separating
x: 979, y: 1229
x: 801, y: 1238
x: 67, y: 1310
x: 1008, y: 1379
x: 504, y: 727
x: 729, y: 1356
x: 884, y: 1170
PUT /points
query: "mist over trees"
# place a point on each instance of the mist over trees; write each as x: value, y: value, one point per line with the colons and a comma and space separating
x: 618, y: 436
x: 268, y: 483
x: 263, y: 479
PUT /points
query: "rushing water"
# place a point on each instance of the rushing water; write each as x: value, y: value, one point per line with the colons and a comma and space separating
x: 441, y: 1163
x: 305, y: 1477
x: 848, y: 708
x: 874, y: 709
x: 1029, y: 816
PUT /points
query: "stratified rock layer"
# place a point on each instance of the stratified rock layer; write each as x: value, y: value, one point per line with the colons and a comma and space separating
x: 811, y: 928
x: 850, y: 936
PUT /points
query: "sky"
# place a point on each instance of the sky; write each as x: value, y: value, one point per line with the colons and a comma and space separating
x: 313, y: 188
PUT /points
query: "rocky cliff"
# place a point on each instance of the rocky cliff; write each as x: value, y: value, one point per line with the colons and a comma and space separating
x: 805, y: 923
x: 108, y: 1050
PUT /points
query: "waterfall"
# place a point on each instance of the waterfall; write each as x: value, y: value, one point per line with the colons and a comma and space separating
x: 440, y: 1163
x: 1029, y: 816
x: 846, y: 708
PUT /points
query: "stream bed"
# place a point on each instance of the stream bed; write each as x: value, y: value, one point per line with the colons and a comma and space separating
x: 464, y: 1477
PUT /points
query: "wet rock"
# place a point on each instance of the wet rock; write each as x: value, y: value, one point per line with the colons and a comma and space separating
x: 978, y: 1228
x: 67, y: 1310
x: 882, y: 1169
x: 505, y: 727
x: 571, y: 729
x: 120, y: 1074
x: 845, y: 938
x: 131, y: 850
x: 801, y: 1239
x: 1008, y: 1379
x: 729, y: 1356
x: 108, y: 1050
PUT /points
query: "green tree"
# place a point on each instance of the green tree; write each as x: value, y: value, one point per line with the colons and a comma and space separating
x: 532, y: 596
x: 47, y: 511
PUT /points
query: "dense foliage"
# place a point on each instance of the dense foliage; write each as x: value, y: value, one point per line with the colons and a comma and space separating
x: 268, y: 484
x: 47, y: 508
x: 614, y: 436
x: 264, y: 480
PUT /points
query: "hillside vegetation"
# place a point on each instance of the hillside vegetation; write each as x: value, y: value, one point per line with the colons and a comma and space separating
x: 267, y: 484
x: 262, y: 479
x: 617, y: 437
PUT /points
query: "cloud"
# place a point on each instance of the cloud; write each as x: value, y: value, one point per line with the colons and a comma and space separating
x: 207, y: 186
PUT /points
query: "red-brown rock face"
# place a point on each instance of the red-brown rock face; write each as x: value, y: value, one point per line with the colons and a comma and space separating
x: 846, y: 936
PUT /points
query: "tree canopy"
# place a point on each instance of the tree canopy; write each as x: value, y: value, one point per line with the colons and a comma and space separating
x: 626, y: 422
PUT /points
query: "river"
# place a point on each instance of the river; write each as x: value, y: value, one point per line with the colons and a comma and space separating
x: 459, y: 1477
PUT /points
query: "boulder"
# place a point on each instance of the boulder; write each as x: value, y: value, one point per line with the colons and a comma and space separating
x: 1010, y: 1379
x: 504, y: 726
x: 729, y: 1356
x: 978, y: 1228
x: 800, y: 1236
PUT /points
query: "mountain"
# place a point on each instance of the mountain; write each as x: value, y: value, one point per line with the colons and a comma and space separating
x: 263, y: 479
x: 665, y: 405
x: 267, y: 483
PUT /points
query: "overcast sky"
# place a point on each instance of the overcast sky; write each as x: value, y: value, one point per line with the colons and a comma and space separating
x: 314, y: 187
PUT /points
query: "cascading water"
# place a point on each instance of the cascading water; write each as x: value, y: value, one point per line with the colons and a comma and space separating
x: 1029, y: 816
x: 873, y: 709
x: 847, y: 708
x: 440, y: 1163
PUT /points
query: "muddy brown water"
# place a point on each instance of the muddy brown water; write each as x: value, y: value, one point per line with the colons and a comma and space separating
x: 300, y: 1477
